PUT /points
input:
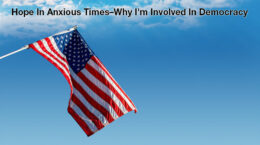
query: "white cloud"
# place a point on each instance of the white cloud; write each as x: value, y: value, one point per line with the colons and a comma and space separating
x: 33, y: 25
x: 33, y: 2
x: 206, y: 3
x: 182, y: 22
x: 18, y: 25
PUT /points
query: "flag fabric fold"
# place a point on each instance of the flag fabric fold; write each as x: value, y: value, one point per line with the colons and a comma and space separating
x: 96, y: 98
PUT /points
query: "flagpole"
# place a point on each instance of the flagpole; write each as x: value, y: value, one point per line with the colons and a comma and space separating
x: 21, y: 49
x: 27, y: 46
x: 66, y: 31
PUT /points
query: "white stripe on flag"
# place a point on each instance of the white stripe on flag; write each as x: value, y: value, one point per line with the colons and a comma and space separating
x: 56, y: 47
x: 93, y: 95
x: 92, y: 109
x: 90, y: 124
x: 98, y: 69
x: 54, y: 61
x: 105, y: 89
x: 50, y: 51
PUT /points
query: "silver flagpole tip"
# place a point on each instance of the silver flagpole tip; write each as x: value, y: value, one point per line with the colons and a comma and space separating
x: 66, y: 31
x: 73, y: 28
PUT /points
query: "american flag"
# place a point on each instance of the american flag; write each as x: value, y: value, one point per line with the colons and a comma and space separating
x: 96, y: 98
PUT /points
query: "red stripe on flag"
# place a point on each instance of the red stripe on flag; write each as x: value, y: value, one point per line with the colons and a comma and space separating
x: 95, y: 104
x: 98, y: 62
x: 91, y: 116
x: 58, y: 54
x: 51, y: 55
x: 81, y: 122
x: 61, y: 70
x: 97, y: 75
x: 54, y: 50
x: 101, y: 94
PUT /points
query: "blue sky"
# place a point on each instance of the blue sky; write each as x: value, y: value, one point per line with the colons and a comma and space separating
x: 194, y: 81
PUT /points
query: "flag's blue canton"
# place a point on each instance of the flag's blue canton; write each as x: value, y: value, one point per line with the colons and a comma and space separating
x: 74, y: 48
